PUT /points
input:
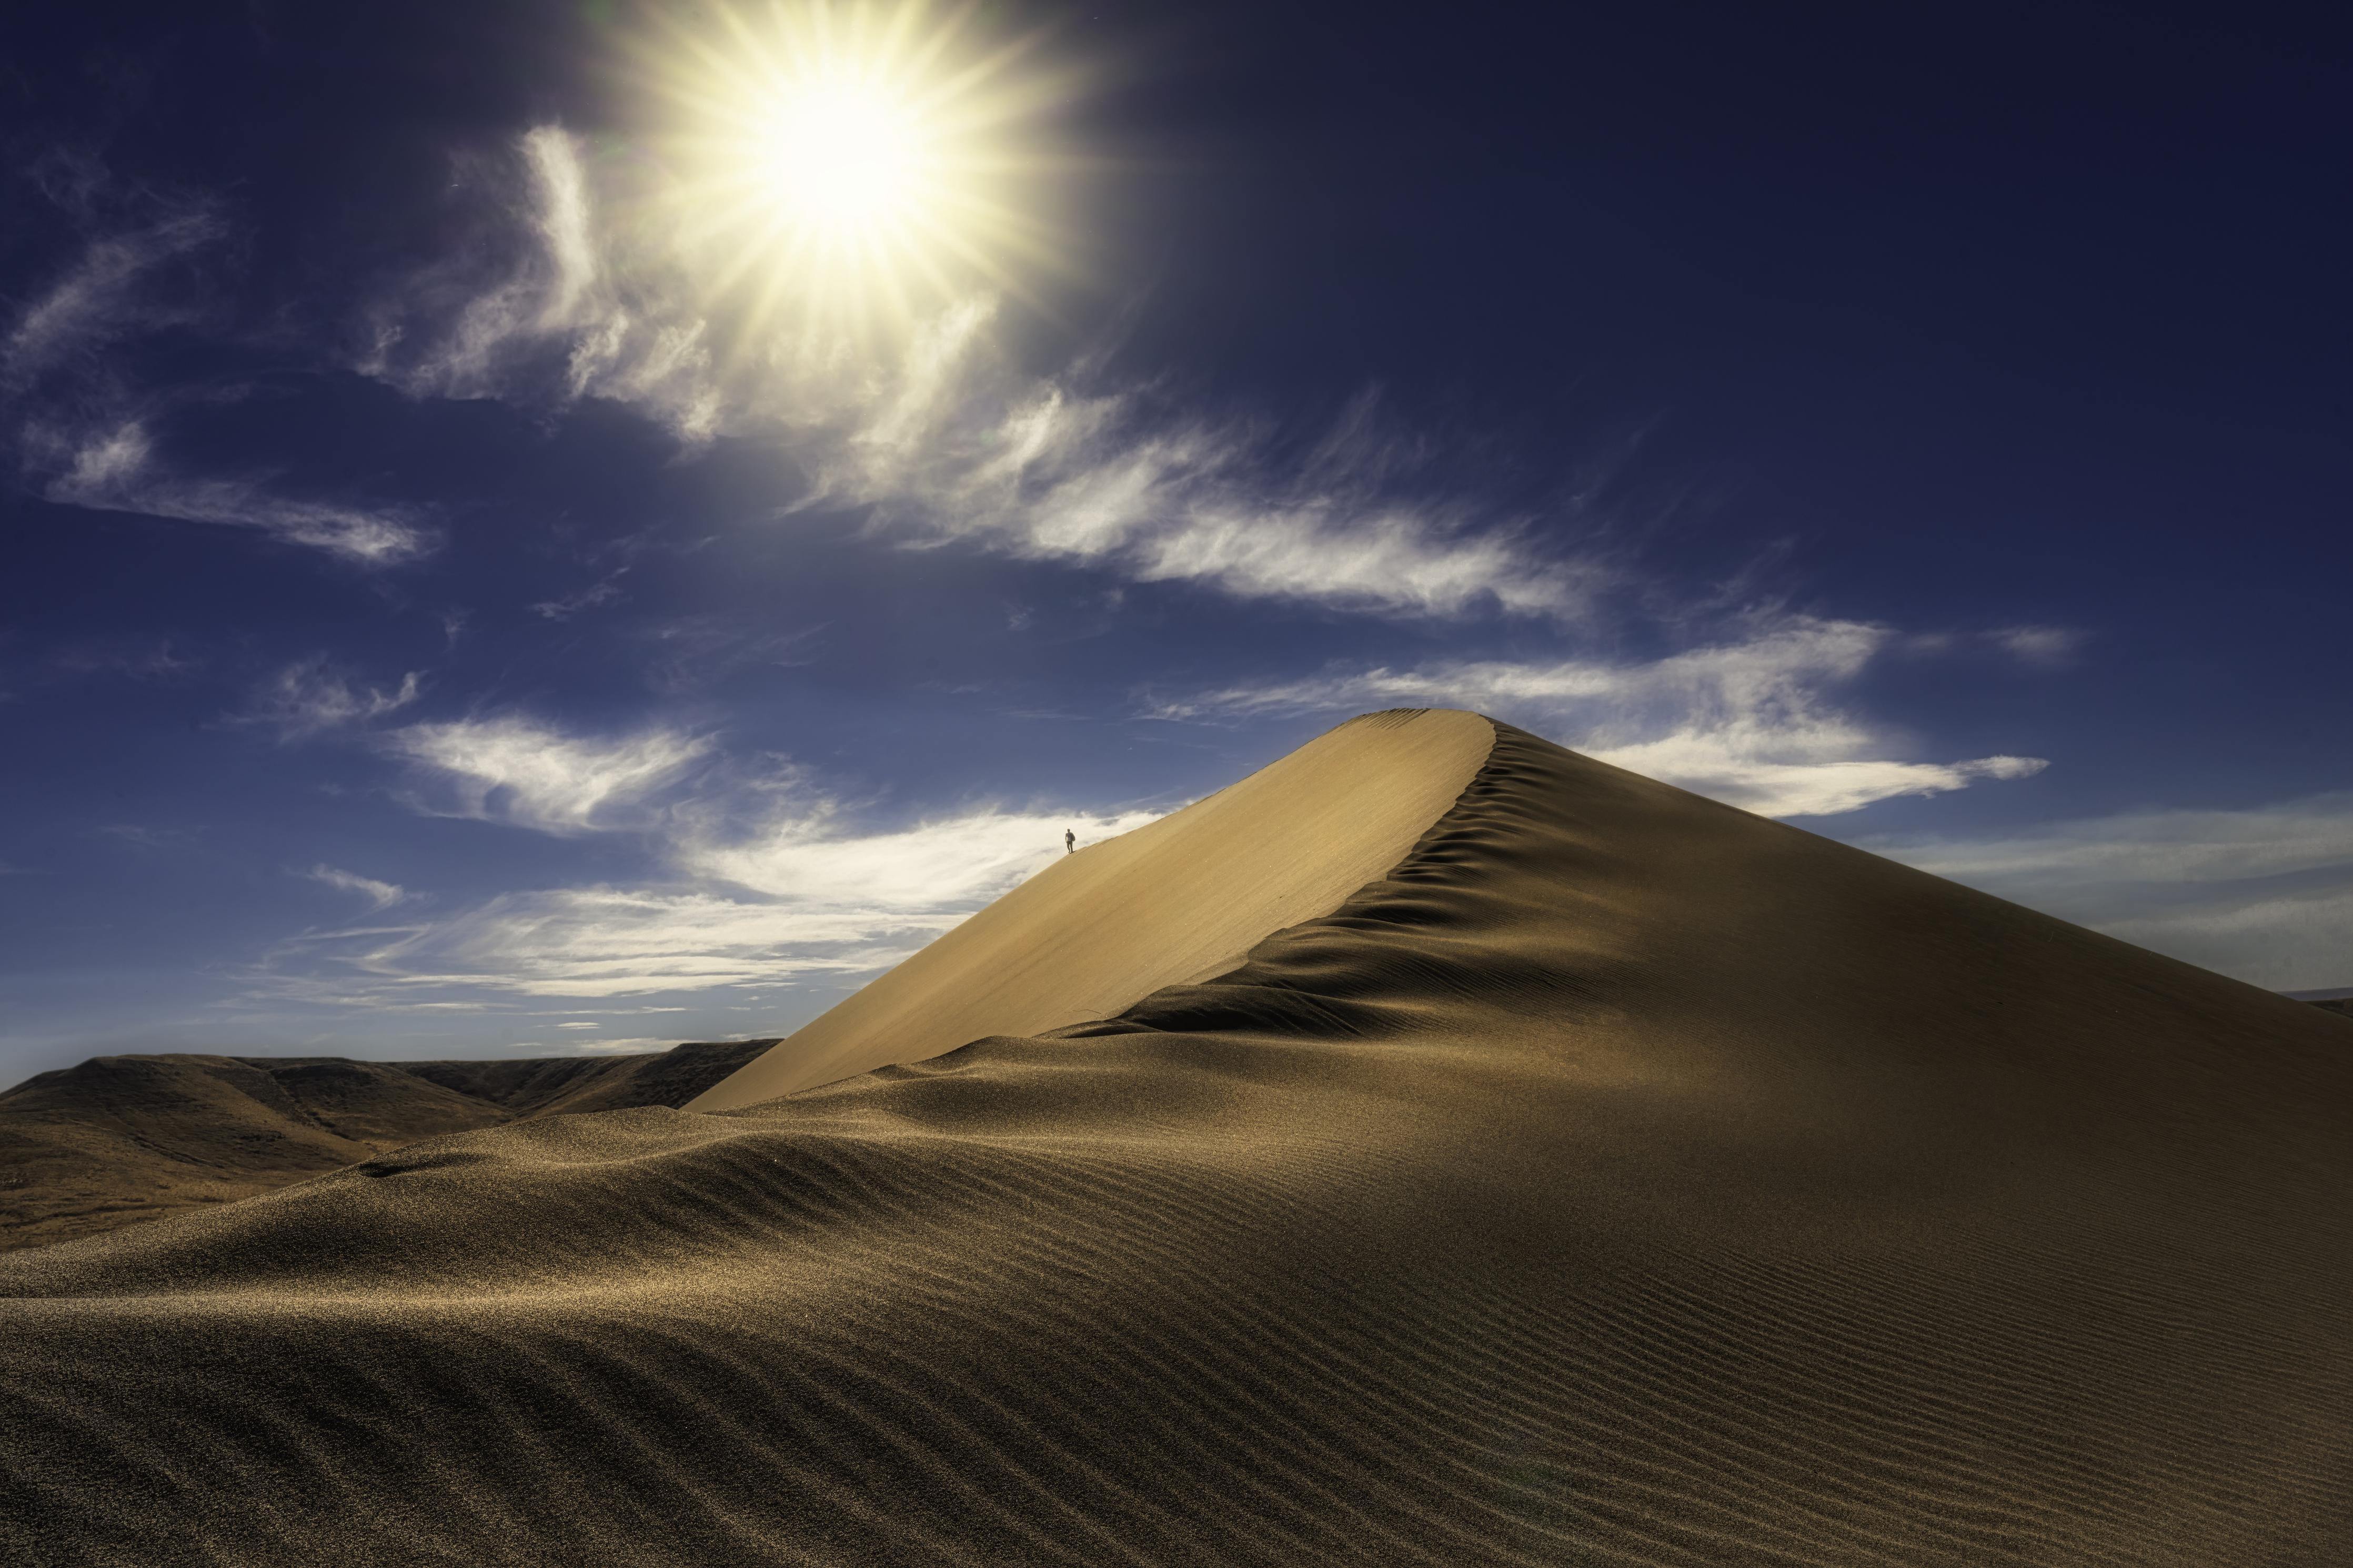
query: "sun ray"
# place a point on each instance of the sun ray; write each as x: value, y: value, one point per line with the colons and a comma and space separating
x: 843, y: 168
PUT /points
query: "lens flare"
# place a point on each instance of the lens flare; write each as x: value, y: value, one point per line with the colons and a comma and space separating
x: 852, y: 166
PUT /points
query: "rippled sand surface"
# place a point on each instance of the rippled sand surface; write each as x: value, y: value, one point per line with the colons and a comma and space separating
x: 1621, y: 1178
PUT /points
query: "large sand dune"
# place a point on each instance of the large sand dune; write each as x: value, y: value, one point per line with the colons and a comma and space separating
x: 1619, y: 1179
x: 1181, y: 900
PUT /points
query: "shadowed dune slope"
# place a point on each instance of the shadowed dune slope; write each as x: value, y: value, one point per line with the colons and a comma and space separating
x: 1621, y: 1178
x: 1179, y: 900
x: 116, y: 1140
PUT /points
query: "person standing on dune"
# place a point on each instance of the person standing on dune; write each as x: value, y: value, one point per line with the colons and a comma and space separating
x: 1069, y: 841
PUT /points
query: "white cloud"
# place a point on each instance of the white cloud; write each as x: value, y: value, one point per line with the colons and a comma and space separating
x: 551, y: 316
x: 636, y: 1046
x: 101, y: 297
x: 619, y: 942
x: 519, y: 771
x: 311, y: 695
x: 595, y: 596
x: 800, y: 891
x: 955, y: 862
x: 945, y: 440
x: 379, y: 895
x: 85, y: 442
x: 113, y: 468
x: 1748, y: 722
x: 2038, y: 645
x: 2158, y: 847
x: 2264, y: 894
x: 1739, y: 768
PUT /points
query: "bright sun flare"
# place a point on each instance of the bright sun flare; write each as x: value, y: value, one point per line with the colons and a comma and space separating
x: 850, y: 165
x: 845, y: 155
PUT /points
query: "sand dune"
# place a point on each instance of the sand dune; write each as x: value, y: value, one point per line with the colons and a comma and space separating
x: 1179, y: 901
x: 117, y: 1140
x: 1618, y: 1179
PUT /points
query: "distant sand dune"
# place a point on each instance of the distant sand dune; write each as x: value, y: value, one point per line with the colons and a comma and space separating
x: 1619, y: 1179
x: 121, y: 1139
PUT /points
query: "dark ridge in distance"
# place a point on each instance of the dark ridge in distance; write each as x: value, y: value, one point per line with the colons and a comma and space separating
x: 119, y: 1140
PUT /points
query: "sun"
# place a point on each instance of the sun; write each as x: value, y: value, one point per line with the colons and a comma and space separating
x: 847, y: 166
x: 846, y: 155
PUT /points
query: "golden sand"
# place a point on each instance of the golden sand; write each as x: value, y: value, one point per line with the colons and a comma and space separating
x: 1179, y: 900
x: 1618, y: 1179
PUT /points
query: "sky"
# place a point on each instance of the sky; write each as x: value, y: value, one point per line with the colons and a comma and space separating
x: 542, y: 528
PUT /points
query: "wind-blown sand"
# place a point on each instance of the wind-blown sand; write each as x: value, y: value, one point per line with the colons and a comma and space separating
x: 1620, y: 1179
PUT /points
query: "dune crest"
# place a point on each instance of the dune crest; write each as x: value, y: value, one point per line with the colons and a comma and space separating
x: 1178, y: 899
x: 1621, y: 1178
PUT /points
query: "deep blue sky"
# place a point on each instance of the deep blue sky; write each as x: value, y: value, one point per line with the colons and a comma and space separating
x: 428, y: 626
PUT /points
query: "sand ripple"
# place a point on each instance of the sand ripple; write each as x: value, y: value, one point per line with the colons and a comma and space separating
x: 1623, y: 1180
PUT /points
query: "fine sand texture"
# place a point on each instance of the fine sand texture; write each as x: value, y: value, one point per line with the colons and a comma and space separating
x: 116, y: 1140
x: 1179, y: 901
x: 1619, y: 1179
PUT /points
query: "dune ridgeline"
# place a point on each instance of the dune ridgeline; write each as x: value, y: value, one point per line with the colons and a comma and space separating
x: 1438, y: 1149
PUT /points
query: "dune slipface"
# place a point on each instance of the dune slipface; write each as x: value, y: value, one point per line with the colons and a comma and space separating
x: 1619, y: 1179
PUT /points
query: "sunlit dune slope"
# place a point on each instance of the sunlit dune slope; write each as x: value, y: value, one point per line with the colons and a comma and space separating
x: 1180, y: 900
x: 1620, y: 1179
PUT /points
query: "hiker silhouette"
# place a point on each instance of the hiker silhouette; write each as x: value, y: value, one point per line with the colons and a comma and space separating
x: 1070, y: 842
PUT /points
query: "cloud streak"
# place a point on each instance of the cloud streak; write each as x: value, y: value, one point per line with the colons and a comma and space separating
x: 379, y: 895
x: 2264, y: 894
x: 943, y: 440
x: 311, y: 696
x: 85, y: 439
x: 103, y: 298
x: 116, y: 470
x: 518, y: 771
x: 1749, y: 721
x: 802, y: 895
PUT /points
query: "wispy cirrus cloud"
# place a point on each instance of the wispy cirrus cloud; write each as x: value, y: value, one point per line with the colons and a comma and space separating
x: 379, y: 895
x: 2265, y: 893
x: 942, y: 437
x: 114, y: 469
x: 1751, y: 722
x: 769, y: 877
x: 85, y: 434
x: 313, y: 695
x: 104, y: 296
x: 2038, y: 644
x: 956, y: 862
x: 541, y: 308
x: 595, y: 596
x: 1124, y: 478
x: 802, y: 893
x: 520, y: 771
